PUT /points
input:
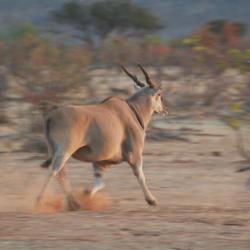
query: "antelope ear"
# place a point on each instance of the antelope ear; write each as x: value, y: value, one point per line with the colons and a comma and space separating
x: 158, y: 89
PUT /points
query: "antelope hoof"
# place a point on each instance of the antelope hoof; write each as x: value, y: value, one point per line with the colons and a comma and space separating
x: 151, y: 202
x: 72, y: 204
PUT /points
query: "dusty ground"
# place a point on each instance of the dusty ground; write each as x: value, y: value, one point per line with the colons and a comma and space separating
x: 203, y: 203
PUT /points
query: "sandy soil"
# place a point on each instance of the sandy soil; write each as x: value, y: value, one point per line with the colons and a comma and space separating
x: 203, y: 203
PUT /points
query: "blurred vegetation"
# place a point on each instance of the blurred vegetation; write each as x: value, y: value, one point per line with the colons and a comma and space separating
x: 43, y: 68
x: 210, y: 67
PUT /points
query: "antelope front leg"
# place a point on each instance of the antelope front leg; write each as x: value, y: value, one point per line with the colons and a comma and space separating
x: 138, y: 172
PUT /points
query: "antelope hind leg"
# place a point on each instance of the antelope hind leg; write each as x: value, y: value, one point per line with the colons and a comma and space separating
x: 65, y: 185
x: 98, y: 179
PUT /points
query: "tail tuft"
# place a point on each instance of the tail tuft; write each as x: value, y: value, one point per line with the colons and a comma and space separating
x: 46, y: 163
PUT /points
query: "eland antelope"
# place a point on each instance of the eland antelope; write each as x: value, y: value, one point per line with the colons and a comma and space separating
x: 106, y: 133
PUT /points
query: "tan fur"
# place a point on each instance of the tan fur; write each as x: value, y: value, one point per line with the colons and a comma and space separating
x: 95, y: 133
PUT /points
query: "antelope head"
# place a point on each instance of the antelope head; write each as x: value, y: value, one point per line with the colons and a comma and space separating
x: 151, y: 89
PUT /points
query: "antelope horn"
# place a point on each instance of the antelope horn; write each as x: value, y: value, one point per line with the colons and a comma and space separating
x: 148, y: 80
x: 133, y: 77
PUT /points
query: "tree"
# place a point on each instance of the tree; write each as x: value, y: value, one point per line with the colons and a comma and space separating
x: 99, y: 19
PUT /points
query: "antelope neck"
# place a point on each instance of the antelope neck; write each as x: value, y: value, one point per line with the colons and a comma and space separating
x: 141, y: 108
x: 137, y: 115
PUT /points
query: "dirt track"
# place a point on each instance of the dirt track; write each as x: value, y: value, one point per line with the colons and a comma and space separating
x: 203, y: 203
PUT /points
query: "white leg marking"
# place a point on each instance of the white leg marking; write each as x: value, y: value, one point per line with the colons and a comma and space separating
x: 98, y: 179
